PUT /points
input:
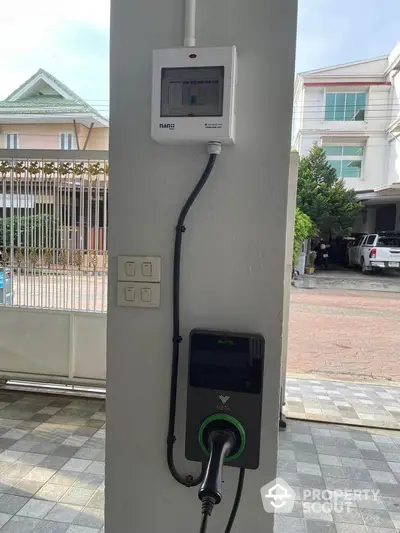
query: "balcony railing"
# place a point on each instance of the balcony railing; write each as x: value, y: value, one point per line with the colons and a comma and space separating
x: 53, y: 229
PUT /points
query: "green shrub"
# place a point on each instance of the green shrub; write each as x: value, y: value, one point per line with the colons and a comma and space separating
x: 303, y: 229
x: 27, y: 232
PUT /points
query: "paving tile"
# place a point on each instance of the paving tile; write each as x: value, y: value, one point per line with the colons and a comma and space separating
x: 62, y: 512
x: 64, y: 478
x: 20, y: 524
x: 379, y: 466
x: 348, y: 515
x: 17, y: 470
x: 383, y: 477
x: 285, y: 523
x: 81, y: 529
x: 66, y: 451
x: 4, y: 518
x: 377, y: 518
x: 10, y: 456
x: 31, y: 458
x: 35, y: 508
x: 77, y: 496
x: 39, y: 474
x: 98, y: 467
x: 51, y: 492
x: 97, y: 500
x: 342, y: 527
x: 330, y: 460
x: 92, y: 517
x: 45, y: 526
x: 11, y: 504
x: 76, y: 465
x: 13, y: 434
x: 22, y: 445
x: 25, y: 488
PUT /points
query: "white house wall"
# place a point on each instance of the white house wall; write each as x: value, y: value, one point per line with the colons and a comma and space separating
x: 374, y: 164
x: 394, y: 161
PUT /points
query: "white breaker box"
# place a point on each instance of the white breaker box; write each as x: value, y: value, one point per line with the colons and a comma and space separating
x: 193, y: 97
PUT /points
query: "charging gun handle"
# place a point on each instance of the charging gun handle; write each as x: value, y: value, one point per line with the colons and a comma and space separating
x: 221, y: 443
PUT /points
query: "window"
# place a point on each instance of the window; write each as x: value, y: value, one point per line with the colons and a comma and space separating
x: 371, y: 239
x: 66, y: 141
x: 346, y: 160
x: 345, y: 106
x: 11, y: 141
x: 389, y: 241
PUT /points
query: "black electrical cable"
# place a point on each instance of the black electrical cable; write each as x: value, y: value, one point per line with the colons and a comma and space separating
x: 208, y: 505
x: 188, y: 480
x: 204, y: 522
x: 236, y: 502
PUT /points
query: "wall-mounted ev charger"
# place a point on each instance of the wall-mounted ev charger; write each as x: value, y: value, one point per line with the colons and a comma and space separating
x: 193, y: 97
x: 224, y: 391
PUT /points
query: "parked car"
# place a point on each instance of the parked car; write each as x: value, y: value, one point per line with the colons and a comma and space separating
x: 6, y: 286
x: 376, y: 251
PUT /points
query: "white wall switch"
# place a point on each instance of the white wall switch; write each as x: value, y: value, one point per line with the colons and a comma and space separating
x: 130, y: 268
x: 139, y: 268
x: 129, y: 294
x: 136, y: 294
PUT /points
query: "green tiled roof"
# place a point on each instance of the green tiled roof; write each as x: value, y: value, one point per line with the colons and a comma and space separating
x: 46, y: 104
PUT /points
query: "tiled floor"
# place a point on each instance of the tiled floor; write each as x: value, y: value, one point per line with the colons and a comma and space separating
x: 52, y: 469
x: 337, y: 458
x: 343, y: 402
x: 51, y: 464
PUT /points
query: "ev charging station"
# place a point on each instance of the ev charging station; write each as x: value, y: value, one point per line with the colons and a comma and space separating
x: 196, y: 297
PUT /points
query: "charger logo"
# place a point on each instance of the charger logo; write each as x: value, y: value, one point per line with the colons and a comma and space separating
x: 167, y: 126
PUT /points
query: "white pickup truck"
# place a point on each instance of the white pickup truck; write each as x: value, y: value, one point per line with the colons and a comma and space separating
x: 376, y: 251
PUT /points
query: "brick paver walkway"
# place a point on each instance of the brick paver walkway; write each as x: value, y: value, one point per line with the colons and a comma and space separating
x: 347, y: 335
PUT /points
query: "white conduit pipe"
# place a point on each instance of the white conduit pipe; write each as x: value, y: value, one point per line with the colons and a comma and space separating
x: 190, y: 23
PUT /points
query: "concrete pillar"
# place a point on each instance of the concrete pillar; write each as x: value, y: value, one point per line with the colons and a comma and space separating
x: 233, y: 256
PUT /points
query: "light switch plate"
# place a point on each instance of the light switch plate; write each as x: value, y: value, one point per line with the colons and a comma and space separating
x: 139, y: 268
x: 145, y: 294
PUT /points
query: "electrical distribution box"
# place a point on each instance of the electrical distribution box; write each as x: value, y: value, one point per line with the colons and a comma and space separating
x: 193, y: 97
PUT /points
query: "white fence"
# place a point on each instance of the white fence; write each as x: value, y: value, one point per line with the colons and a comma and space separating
x: 54, y: 346
x: 53, y: 229
x: 53, y: 275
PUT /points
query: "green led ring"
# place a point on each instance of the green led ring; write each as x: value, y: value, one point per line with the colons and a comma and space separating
x: 233, y: 421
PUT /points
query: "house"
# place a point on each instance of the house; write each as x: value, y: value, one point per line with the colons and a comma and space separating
x: 45, y: 114
x: 353, y: 111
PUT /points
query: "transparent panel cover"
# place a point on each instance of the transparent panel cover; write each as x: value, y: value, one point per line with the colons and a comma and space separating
x: 192, y: 92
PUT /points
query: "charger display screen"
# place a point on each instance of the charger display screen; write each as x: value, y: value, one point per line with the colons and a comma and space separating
x: 224, y: 363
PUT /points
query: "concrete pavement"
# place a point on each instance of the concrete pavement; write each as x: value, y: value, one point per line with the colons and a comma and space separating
x: 351, y: 335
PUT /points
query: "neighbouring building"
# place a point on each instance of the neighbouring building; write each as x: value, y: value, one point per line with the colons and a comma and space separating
x: 353, y: 111
x: 45, y: 114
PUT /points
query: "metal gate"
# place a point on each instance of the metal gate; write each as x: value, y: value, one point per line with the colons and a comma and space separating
x: 53, y: 254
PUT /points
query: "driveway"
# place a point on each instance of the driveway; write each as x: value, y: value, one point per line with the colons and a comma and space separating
x: 352, y: 335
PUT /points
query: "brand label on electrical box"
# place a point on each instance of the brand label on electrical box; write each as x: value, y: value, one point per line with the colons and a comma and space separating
x: 168, y: 126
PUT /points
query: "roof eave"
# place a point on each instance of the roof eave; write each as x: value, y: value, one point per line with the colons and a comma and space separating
x: 36, y: 117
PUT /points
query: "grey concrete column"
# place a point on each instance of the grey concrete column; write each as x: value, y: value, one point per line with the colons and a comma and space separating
x: 233, y: 257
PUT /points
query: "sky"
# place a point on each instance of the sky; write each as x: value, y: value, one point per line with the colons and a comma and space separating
x: 71, y: 39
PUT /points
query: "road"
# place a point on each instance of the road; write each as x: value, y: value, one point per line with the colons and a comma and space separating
x: 348, y: 335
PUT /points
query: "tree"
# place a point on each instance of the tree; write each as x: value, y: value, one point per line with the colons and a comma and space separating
x: 323, y: 196
x: 303, y: 229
